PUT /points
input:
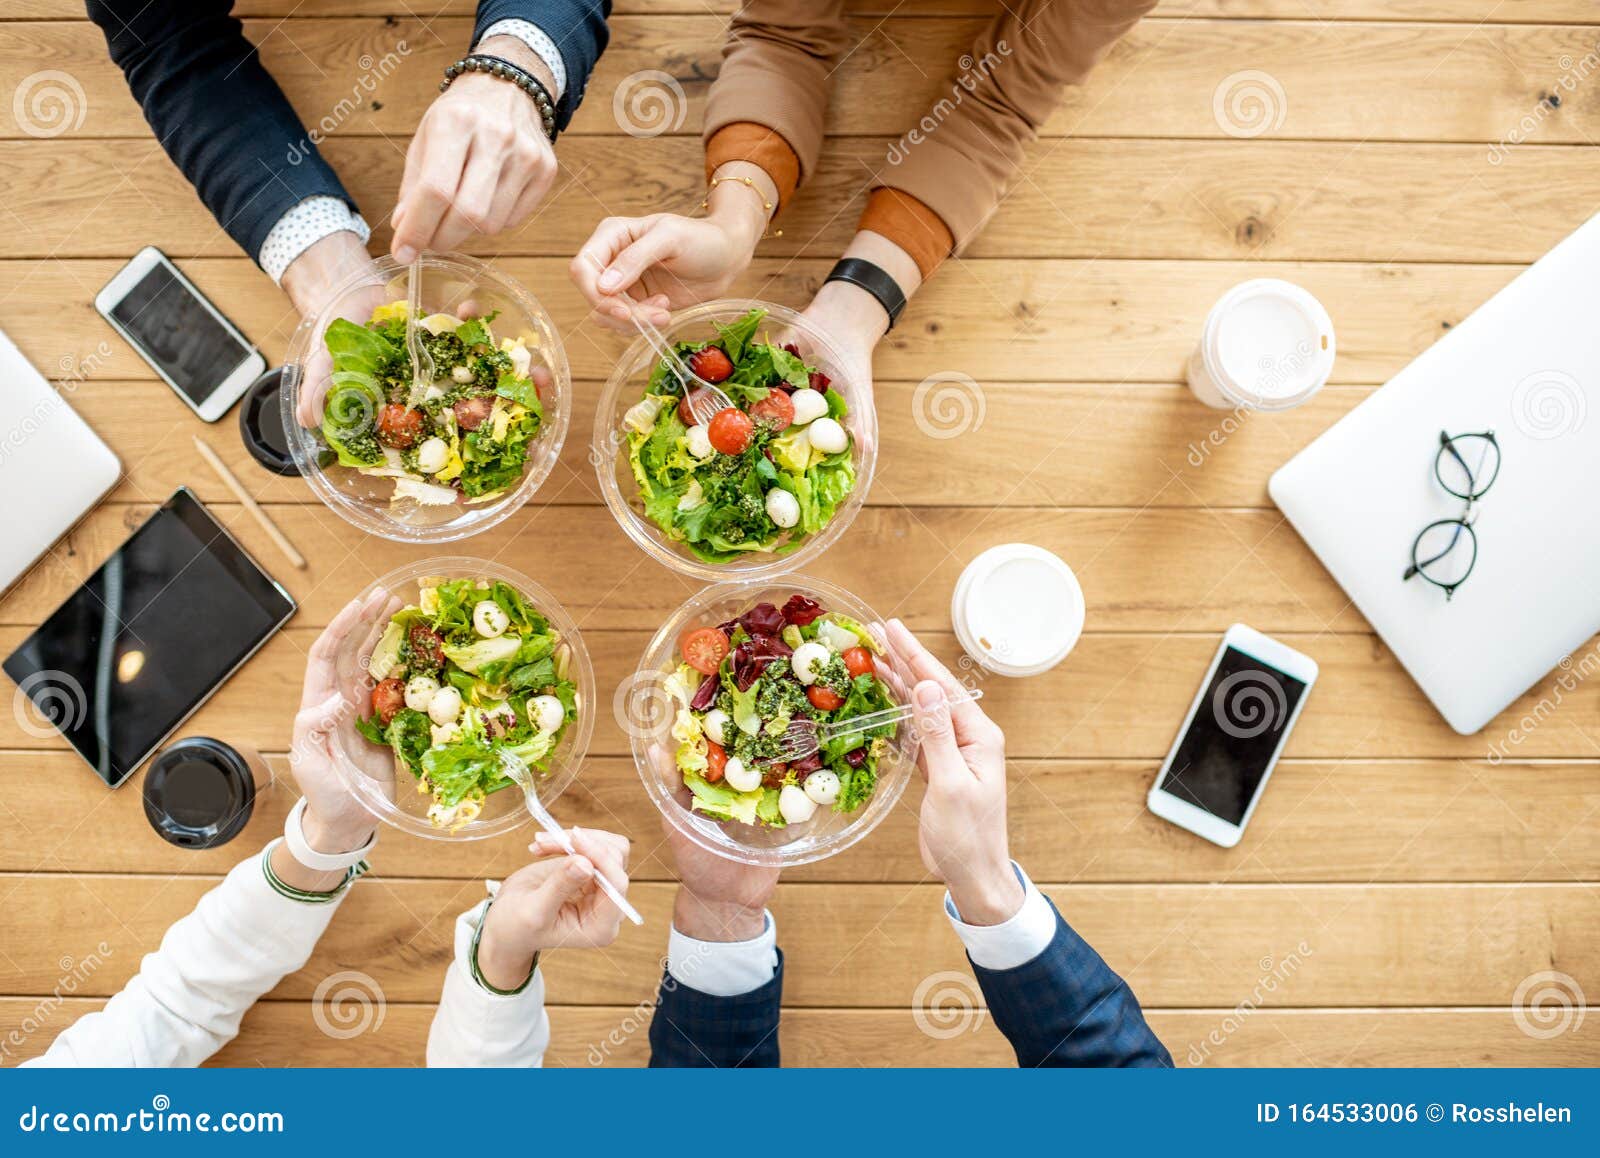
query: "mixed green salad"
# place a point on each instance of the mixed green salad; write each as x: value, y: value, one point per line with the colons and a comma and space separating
x: 763, y: 474
x: 740, y: 687
x: 468, y: 670
x: 462, y: 437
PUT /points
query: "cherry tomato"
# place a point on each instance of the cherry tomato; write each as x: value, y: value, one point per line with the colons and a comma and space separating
x: 858, y: 661
x: 716, y: 761
x: 704, y: 650
x: 731, y: 431
x: 823, y: 699
x: 711, y: 365
x: 388, y: 697
x: 775, y: 410
x: 427, y: 649
x: 399, y: 427
x: 685, y: 414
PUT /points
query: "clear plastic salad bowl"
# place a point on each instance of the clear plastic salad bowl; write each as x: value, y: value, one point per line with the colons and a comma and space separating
x: 609, y: 451
x: 390, y: 792
x: 646, y: 712
x: 448, y: 282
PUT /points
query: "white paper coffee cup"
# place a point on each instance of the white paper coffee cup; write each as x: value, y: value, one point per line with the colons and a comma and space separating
x: 1017, y: 610
x: 1267, y: 345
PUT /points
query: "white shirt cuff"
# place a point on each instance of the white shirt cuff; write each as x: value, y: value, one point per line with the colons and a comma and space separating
x: 303, y: 226
x: 538, y: 43
x: 1013, y: 942
x: 724, y: 968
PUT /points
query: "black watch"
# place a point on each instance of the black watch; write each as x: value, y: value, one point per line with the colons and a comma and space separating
x: 875, y: 280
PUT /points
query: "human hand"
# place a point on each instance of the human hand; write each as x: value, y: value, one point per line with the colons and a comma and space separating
x: 660, y: 263
x: 480, y: 161
x: 962, y: 827
x: 718, y: 899
x: 553, y: 903
x: 310, y: 280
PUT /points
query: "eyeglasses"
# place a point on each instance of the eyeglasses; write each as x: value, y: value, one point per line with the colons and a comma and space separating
x: 1445, y: 551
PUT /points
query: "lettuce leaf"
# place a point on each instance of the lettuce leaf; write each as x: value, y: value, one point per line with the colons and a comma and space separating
x: 721, y: 801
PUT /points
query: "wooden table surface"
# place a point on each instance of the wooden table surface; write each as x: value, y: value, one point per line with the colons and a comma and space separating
x: 1398, y: 896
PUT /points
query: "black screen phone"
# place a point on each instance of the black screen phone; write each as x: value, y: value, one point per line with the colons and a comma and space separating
x: 148, y: 638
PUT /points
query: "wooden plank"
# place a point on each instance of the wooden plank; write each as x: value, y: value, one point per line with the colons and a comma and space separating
x: 1332, y: 81
x: 1071, y: 820
x: 286, y: 1033
x: 1204, y: 946
x: 1234, y: 564
x: 1132, y: 464
x: 1116, y: 697
x: 1281, y: 200
x: 996, y: 321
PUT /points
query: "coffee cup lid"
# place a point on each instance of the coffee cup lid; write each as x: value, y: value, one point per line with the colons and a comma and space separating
x: 1018, y: 609
x: 198, y: 793
x: 261, y: 424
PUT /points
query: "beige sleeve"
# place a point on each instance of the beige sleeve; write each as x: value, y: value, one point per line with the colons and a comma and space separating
x: 960, y: 157
x: 776, y: 66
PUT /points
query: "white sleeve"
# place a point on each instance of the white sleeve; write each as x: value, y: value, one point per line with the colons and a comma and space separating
x: 302, y: 226
x: 190, y: 994
x: 1013, y: 942
x: 475, y: 1027
x: 724, y: 968
x: 538, y: 42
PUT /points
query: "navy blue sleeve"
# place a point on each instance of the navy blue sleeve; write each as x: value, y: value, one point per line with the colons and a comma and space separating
x: 694, y: 1030
x: 1067, y: 1008
x: 577, y: 26
x: 216, y: 111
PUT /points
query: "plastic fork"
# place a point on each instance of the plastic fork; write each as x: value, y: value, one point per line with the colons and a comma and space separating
x: 423, y: 371
x: 517, y: 769
x: 804, y: 738
x: 705, y: 399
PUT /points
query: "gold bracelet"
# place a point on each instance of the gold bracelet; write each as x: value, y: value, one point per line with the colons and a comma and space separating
x: 750, y: 184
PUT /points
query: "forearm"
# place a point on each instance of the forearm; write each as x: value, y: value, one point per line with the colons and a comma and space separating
x: 575, y: 30
x: 477, y: 1026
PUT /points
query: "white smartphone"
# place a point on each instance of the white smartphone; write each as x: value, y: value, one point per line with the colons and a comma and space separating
x: 197, y: 351
x: 1230, y: 740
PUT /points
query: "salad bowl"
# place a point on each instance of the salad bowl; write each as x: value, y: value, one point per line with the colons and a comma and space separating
x: 382, y: 749
x: 373, y: 480
x: 780, y: 493
x: 656, y: 707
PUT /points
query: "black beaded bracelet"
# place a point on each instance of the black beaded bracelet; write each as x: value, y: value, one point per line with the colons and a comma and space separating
x: 517, y: 75
x: 875, y: 280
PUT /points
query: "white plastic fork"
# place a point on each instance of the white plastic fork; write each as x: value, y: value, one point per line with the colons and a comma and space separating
x: 704, y: 406
x: 517, y: 769
x: 423, y: 370
x: 804, y: 738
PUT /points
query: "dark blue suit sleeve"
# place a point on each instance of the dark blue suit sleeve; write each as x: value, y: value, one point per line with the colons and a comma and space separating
x: 216, y: 111
x: 1067, y: 1008
x: 577, y: 26
x: 694, y: 1030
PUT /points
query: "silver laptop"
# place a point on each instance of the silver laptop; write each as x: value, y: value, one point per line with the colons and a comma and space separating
x: 52, y: 467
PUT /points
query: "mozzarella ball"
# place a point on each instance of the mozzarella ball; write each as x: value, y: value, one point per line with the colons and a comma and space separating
x: 445, y: 706
x: 489, y: 619
x: 739, y: 777
x: 420, y: 691
x: 461, y: 374
x: 828, y: 436
x: 715, y: 723
x: 807, y: 661
x: 546, y: 713
x: 432, y: 455
x: 795, y: 805
x: 699, y: 441
x: 782, y: 507
x: 809, y: 405
x: 822, y: 786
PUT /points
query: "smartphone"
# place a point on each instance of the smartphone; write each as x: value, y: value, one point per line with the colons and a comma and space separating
x: 197, y: 351
x: 1230, y: 740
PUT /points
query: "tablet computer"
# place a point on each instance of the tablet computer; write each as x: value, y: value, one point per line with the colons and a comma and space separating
x: 147, y: 639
